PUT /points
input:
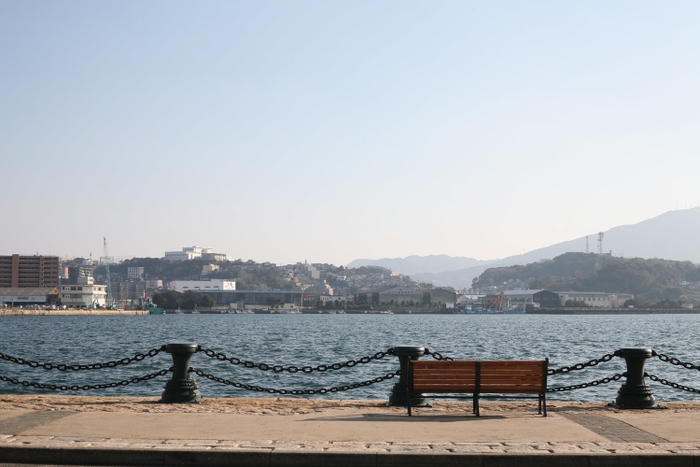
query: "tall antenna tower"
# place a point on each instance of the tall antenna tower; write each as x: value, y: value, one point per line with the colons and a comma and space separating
x: 600, y: 242
x: 106, y: 260
x: 587, y: 244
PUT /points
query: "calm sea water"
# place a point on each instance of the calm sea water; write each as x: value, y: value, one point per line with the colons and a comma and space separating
x: 310, y: 340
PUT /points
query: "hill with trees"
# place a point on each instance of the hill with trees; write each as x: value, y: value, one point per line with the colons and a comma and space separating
x: 248, y: 275
x: 650, y: 280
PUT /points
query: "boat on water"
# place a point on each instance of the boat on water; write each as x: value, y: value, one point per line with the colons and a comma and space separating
x: 151, y: 307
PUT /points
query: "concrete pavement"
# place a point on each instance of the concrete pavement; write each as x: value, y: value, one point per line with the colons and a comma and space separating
x: 358, y: 436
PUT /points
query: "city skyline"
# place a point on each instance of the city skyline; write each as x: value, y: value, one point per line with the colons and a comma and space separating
x: 329, y: 132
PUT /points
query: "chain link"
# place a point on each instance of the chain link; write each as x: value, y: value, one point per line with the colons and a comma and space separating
x: 675, y: 361
x: 93, y: 366
x: 86, y: 387
x: 609, y: 379
x: 669, y: 383
x: 295, y: 392
x: 437, y: 355
x: 293, y: 369
x: 581, y: 366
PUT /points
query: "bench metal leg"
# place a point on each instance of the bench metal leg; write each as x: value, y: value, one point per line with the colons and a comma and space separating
x: 544, y: 404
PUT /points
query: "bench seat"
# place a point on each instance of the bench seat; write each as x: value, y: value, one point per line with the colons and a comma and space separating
x: 480, y: 379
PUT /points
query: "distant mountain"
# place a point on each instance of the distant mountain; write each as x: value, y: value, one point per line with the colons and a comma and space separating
x: 673, y: 235
x: 421, y: 264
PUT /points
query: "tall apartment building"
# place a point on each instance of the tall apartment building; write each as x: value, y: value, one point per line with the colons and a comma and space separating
x: 28, y: 271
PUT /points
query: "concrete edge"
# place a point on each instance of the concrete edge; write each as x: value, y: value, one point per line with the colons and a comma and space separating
x: 265, y: 458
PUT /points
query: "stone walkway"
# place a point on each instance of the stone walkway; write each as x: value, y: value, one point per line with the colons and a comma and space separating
x: 355, y: 436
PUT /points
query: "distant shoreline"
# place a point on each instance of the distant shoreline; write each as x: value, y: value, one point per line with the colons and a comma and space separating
x: 98, y: 312
x: 540, y: 311
x: 608, y: 311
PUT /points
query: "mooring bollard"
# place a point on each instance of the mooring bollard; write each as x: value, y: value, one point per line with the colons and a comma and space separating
x: 181, y: 388
x: 399, y: 393
x: 635, y: 393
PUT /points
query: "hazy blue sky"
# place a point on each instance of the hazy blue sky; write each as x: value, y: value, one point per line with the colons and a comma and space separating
x: 329, y: 131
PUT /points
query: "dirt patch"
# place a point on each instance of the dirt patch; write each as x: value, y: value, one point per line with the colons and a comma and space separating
x: 285, y: 406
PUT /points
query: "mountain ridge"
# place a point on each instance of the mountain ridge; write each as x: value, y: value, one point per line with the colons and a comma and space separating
x: 672, y: 235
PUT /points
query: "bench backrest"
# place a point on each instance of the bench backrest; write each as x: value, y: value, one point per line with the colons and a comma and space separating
x: 513, y: 376
x: 481, y: 377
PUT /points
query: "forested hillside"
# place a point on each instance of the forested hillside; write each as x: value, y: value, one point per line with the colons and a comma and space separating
x: 647, y: 279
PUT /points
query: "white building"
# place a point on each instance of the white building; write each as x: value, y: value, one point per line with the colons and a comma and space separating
x: 200, y: 286
x: 595, y: 299
x: 78, y: 296
x: 187, y: 253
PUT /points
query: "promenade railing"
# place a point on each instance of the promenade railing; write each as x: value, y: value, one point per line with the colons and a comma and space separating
x: 634, y: 393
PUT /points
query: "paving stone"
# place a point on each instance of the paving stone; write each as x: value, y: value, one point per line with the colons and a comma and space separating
x: 474, y: 448
x: 227, y: 442
x: 285, y: 445
x: 192, y: 442
x: 407, y: 448
x: 180, y: 447
x: 78, y: 440
x: 441, y: 446
x: 619, y: 447
x: 357, y: 448
x: 565, y: 448
x: 592, y: 448
x: 260, y: 442
x: 133, y: 441
x: 520, y: 448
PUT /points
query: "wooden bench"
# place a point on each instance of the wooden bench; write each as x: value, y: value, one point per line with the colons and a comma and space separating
x: 497, y: 378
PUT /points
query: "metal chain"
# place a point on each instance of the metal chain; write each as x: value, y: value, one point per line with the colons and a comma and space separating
x: 437, y: 355
x: 668, y: 383
x: 295, y: 392
x: 293, y: 369
x: 587, y: 385
x: 93, y: 366
x: 674, y: 361
x: 64, y: 387
x: 581, y: 366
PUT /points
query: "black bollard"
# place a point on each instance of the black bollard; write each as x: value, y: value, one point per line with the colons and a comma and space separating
x: 399, y: 393
x: 181, y: 388
x: 635, y: 394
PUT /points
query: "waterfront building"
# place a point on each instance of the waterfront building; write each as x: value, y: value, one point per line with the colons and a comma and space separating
x: 23, y: 296
x: 595, y: 299
x: 84, y: 296
x: 548, y: 298
x: 202, y: 286
x: 389, y: 295
x: 440, y: 296
x: 254, y: 299
x: 312, y: 299
x: 17, y: 271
